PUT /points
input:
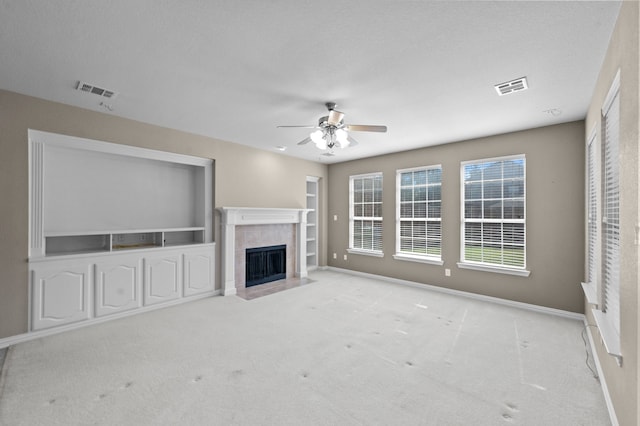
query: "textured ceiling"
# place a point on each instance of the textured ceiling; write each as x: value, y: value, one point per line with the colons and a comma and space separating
x: 236, y: 69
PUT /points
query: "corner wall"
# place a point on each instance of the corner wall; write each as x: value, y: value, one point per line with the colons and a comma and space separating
x: 554, y: 216
x: 244, y: 177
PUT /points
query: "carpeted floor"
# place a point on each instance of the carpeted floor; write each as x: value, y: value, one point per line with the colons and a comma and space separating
x: 342, y: 350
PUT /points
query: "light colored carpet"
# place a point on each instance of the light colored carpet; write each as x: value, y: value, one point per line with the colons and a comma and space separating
x: 342, y: 350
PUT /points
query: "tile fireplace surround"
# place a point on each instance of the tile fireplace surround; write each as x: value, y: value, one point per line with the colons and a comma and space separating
x: 248, y: 227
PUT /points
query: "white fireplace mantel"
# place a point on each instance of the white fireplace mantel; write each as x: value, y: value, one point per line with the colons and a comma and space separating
x: 238, y: 216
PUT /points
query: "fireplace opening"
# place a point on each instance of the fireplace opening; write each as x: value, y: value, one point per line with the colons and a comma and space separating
x: 265, y: 264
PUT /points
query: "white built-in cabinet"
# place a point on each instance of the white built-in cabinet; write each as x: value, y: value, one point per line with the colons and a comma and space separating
x: 312, y: 222
x: 115, y: 229
x: 60, y: 294
x: 118, y: 284
x: 162, y: 278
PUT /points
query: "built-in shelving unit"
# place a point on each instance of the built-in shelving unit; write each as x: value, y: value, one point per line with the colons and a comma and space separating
x: 312, y: 222
x: 115, y: 228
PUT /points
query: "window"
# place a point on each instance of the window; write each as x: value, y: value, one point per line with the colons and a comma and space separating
x: 418, y: 207
x: 611, y: 213
x: 592, y: 212
x: 365, y: 214
x: 608, y: 316
x: 592, y: 178
x: 493, y: 215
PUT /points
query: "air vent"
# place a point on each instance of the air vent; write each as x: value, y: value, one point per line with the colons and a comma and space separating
x: 512, y: 86
x: 90, y: 88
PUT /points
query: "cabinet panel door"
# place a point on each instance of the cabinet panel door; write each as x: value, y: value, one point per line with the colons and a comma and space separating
x: 161, y: 278
x: 117, y: 286
x: 198, y: 273
x: 60, y: 295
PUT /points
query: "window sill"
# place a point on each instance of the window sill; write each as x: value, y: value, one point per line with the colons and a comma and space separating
x: 496, y: 269
x: 590, y: 293
x: 366, y: 252
x: 419, y: 259
x: 610, y: 338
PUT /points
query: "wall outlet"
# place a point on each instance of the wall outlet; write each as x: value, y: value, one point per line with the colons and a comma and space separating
x: 447, y: 272
x: 335, y: 217
x: 335, y: 255
x: 345, y: 257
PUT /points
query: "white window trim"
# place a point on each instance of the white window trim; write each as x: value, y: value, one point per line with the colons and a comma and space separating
x: 521, y: 272
x: 431, y: 260
x: 477, y: 266
x: 591, y: 287
x: 351, y: 249
x: 412, y: 257
x: 374, y: 253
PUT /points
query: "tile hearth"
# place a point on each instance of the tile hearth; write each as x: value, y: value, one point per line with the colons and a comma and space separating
x: 272, y: 287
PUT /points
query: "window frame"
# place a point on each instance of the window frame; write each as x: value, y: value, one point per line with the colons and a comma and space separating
x: 608, y: 322
x: 485, y: 266
x: 353, y: 218
x: 412, y: 256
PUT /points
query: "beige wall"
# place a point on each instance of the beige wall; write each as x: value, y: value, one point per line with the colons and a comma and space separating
x: 244, y: 177
x: 623, y: 54
x: 554, y: 215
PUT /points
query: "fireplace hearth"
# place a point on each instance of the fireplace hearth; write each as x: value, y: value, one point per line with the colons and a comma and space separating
x: 265, y: 264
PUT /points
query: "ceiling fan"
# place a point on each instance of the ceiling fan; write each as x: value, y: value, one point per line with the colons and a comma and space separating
x: 332, y: 132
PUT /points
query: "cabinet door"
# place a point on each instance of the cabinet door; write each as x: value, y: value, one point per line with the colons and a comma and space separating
x: 118, y: 285
x: 161, y: 278
x: 198, y: 272
x: 60, y: 294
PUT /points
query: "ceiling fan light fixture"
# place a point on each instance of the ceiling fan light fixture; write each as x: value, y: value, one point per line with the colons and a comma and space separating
x: 342, y: 137
x: 332, y: 132
x: 321, y: 144
x: 316, y: 136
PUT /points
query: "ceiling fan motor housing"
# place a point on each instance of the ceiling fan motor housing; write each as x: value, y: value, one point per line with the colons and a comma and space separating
x: 323, y: 122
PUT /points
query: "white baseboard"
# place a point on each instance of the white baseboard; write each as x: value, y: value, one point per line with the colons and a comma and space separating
x: 25, y: 337
x: 530, y: 307
x: 603, y: 383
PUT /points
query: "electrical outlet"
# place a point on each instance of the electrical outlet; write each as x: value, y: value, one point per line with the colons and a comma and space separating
x: 345, y: 257
x: 335, y: 217
x: 335, y: 255
x: 447, y: 272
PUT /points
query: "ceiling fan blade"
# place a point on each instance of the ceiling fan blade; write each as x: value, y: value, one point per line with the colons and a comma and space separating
x: 352, y: 141
x: 365, y: 128
x: 305, y: 141
x: 335, y: 117
x: 302, y: 126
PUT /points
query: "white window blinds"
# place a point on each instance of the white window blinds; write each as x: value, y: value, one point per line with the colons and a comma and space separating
x: 592, y: 214
x: 365, y: 206
x: 418, y: 207
x: 493, y: 212
x: 611, y: 213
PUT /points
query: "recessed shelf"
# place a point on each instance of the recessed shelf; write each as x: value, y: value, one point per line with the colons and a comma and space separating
x: 312, y: 220
x: 63, y: 243
x: 74, y: 244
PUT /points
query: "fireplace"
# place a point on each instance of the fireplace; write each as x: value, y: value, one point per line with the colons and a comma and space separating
x: 246, y: 228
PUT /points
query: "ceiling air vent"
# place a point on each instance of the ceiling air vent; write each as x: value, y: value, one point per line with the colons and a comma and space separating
x: 90, y: 88
x: 512, y: 86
